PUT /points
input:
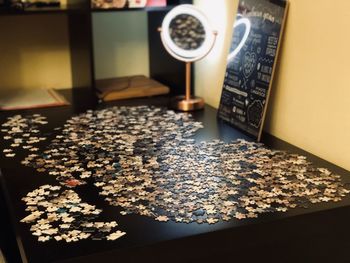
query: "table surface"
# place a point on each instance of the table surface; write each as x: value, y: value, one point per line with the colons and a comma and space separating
x: 142, y: 232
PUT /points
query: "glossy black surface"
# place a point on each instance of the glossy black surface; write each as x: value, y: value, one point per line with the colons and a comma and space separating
x: 294, y: 236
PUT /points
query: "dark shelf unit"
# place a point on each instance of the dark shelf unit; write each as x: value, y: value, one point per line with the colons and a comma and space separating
x: 35, y: 10
x: 162, y: 66
x: 147, y: 9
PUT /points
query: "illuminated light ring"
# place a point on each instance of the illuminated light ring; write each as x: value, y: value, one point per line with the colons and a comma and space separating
x: 247, y: 24
x: 182, y: 54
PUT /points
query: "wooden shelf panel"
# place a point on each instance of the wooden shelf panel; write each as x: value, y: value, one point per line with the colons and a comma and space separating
x: 67, y: 9
x: 153, y: 8
x: 83, y: 5
x: 170, y: 4
x: 39, y: 10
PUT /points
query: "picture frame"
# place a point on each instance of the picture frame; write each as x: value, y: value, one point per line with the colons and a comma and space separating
x: 251, y: 64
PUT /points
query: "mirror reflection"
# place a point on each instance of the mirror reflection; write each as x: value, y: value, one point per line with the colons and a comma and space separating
x: 187, y: 32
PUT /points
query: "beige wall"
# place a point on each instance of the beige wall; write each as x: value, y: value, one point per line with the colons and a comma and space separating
x: 210, y: 71
x: 34, y: 52
x: 310, y: 106
x: 120, y: 44
x: 310, y: 103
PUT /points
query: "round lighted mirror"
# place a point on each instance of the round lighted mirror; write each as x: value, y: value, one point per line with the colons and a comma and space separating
x: 187, y: 34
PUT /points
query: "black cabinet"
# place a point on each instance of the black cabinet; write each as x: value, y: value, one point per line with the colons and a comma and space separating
x: 162, y: 66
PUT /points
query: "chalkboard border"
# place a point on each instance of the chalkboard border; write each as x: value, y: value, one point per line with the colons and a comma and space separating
x: 281, y: 3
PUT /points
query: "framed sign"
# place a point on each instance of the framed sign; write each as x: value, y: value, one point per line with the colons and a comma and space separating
x: 251, y: 64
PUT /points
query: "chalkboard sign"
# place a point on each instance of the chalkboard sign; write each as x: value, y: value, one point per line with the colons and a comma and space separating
x: 250, y: 64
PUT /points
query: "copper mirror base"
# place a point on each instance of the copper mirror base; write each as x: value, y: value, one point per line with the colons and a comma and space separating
x: 180, y: 103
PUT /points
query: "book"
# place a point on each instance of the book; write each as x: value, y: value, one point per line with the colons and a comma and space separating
x: 119, y: 4
x: 137, y: 3
x: 19, y: 99
x: 159, y: 3
x: 105, y: 4
x: 129, y: 87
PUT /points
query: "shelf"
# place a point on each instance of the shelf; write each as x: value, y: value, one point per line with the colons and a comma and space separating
x: 65, y: 9
x: 170, y: 4
x: 147, y: 9
x: 162, y: 66
x: 39, y: 10
x: 136, y: 86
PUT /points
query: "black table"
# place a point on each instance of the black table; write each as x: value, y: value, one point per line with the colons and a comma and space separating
x: 317, y: 234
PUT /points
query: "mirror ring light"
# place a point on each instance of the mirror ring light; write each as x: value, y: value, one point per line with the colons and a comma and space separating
x: 247, y: 24
x: 176, y: 51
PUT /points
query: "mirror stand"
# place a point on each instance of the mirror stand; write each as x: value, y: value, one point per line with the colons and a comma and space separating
x: 187, y: 102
